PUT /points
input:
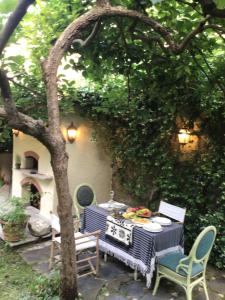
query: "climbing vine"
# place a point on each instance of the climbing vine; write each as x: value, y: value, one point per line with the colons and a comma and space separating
x: 141, y: 136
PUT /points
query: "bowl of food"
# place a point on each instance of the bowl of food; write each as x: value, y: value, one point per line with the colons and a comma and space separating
x: 144, y: 213
x: 129, y: 215
x: 141, y: 221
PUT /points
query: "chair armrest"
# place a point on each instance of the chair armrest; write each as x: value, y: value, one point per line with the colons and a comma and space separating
x: 95, y: 233
x: 76, y: 224
x: 182, y: 265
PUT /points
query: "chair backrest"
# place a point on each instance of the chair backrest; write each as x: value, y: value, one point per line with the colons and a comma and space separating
x: 55, y: 222
x: 203, y: 245
x: 199, y: 253
x: 172, y: 211
x: 84, y: 195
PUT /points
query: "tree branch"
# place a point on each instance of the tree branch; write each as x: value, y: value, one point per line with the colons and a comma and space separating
x: 89, y: 39
x: 73, y: 31
x: 199, y: 65
x: 150, y: 39
x: 16, y: 119
x: 33, y: 92
x: 210, y: 8
x: 192, y: 5
x: 9, y: 104
x: 191, y: 35
x: 216, y: 79
x: 13, y: 22
x: 215, y: 27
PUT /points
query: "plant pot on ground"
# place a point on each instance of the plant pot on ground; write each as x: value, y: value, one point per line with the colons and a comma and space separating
x: 14, y: 220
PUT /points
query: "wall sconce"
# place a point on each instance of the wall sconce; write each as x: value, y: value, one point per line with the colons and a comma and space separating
x: 71, y: 133
x: 15, y: 132
x: 184, y: 136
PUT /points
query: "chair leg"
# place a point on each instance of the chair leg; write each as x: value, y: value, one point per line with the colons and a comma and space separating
x: 158, y: 278
x: 189, y: 293
x: 52, y: 250
x: 205, y: 289
x: 97, y: 263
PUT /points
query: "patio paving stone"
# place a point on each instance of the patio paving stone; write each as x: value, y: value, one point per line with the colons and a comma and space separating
x: 134, y: 289
x: 115, y: 281
x: 90, y: 286
x: 36, y: 255
x: 112, y: 269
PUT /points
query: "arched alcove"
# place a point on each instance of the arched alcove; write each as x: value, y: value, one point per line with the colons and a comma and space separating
x: 31, y: 160
x: 31, y: 190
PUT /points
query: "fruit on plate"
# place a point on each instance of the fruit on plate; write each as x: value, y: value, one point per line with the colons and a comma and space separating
x: 141, y: 221
x: 145, y: 212
x: 134, y: 209
x: 129, y: 215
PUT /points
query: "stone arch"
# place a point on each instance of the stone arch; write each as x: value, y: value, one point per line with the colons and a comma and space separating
x: 31, y: 191
x: 28, y: 180
x: 31, y: 154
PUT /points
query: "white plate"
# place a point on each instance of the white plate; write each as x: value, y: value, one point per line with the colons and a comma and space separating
x: 104, y: 205
x: 153, y: 227
x: 135, y: 221
x: 162, y: 221
x: 112, y: 205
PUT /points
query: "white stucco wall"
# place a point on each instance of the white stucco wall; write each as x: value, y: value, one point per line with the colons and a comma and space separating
x: 87, y: 164
x: 87, y: 161
x: 22, y: 144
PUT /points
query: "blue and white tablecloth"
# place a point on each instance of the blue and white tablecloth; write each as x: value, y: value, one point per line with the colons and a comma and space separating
x: 146, y: 247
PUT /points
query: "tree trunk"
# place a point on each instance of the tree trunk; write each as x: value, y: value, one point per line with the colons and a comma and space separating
x: 59, y: 161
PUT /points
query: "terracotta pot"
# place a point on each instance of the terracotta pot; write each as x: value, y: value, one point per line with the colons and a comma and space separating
x: 13, y: 232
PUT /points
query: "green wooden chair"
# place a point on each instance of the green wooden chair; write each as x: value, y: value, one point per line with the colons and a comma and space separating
x: 84, y: 195
x: 188, y: 271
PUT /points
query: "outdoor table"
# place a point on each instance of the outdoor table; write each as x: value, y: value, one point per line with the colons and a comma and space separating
x: 146, y: 246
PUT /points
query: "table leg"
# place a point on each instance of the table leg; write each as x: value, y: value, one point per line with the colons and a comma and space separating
x: 135, y: 274
x: 105, y: 257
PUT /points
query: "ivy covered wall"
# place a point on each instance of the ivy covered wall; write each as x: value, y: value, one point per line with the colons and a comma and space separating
x: 141, y: 137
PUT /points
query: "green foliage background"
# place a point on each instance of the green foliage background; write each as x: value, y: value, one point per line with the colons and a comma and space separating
x: 135, y: 91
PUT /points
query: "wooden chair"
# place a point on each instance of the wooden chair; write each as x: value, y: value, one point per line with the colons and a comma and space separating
x: 172, y: 211
x: 84, y: 242
x: 188, y: 271
x: 84, y: 195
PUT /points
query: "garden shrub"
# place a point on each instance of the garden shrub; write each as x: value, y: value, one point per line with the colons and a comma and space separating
x: 44, y: 288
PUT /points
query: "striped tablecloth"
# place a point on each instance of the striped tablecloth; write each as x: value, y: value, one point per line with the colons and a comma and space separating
x: 145, y: 248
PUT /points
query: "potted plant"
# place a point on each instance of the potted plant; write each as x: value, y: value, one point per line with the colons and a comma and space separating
x: 18, y: 161
x: 14, y: 220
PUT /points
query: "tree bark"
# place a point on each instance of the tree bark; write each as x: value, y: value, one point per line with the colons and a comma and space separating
x: 209, y: 8
x: 102, y: 2
x: 59, y: 162
x: 13, y: 22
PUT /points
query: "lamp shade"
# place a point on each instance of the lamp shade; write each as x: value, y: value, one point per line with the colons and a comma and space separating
x: 184, y: 136
x: 71, y: 133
